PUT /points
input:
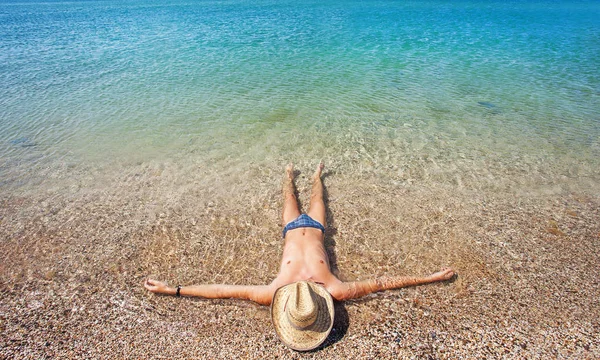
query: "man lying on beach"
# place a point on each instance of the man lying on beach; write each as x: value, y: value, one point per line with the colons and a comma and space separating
x: 301, y: 294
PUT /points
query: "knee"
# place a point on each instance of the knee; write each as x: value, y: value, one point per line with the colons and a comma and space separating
x: 316, y: 198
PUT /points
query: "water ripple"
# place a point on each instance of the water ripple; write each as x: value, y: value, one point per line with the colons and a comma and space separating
x: 103, y: 80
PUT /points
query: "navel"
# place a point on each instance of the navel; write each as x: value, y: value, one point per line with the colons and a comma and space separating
x: 289, y: 261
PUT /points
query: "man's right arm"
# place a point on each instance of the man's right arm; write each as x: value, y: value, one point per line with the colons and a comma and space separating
x: 351, y: 290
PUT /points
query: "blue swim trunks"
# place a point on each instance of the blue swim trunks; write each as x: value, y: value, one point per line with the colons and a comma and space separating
x: 303, y: 221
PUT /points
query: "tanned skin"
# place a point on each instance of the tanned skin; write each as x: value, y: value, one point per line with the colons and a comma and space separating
x: 304, y: 258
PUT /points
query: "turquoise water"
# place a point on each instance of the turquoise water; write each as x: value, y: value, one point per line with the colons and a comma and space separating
x: 482, y: 91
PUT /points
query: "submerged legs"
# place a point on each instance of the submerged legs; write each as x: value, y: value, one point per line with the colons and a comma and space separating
x: 317, y: 205
x: 290, y: 204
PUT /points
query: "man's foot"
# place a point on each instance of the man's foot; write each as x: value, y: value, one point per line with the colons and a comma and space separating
x: 319, y: 170
x: 289, y: 171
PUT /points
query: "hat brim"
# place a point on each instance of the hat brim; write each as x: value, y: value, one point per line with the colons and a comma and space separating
x: 312, y: 336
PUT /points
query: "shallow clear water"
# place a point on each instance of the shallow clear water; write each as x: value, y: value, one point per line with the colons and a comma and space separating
x: 472, y: 94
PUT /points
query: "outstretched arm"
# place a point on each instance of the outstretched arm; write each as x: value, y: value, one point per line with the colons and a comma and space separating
x: 261, y: 294
x: 351, y: 290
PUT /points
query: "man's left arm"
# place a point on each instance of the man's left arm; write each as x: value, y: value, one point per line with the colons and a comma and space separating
x: 261, y: 294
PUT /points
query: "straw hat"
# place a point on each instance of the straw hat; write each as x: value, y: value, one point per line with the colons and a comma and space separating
x: 302, y: 313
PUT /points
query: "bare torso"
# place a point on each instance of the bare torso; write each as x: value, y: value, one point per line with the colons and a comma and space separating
x: 304, y: 257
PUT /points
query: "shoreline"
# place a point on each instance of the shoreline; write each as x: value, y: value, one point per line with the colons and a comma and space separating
x: 74, y: 266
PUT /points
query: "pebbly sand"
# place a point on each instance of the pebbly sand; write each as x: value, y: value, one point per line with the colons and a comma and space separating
x: 75, y: 256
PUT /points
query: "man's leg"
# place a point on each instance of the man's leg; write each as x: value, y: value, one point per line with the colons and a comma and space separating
x: 290, y: 204
x: 317, y: 206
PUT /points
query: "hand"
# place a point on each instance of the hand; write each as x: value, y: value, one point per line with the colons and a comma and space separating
x: 156, y: 286
x: 445, y: 273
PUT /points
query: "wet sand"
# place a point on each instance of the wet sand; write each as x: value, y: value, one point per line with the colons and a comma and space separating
x: 75, y: 257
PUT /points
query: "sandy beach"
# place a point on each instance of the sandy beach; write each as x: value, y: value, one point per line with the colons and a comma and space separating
x: 73, y: 266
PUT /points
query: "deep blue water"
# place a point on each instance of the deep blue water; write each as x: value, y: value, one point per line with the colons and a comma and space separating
x: 498, y: 80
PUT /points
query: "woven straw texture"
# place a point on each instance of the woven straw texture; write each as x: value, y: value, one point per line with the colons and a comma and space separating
x: 313, y: 335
